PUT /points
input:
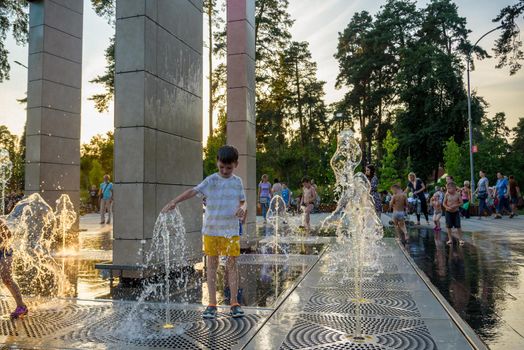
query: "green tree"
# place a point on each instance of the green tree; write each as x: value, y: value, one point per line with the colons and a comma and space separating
x: 493, y: 145
x: 508, y: 47
x: 96, y: 173
x: 516, y: 154
x: 272, y: 24
x: 215, y: 140
x: 102, y: 100
x: 99, y: 149
x: 431, y: 87
x: 14, y: 19
x: 388, y: 171
x: 293, y: 116
x: 13, y: 144
x: 107, y: 10
x: 453, y: 159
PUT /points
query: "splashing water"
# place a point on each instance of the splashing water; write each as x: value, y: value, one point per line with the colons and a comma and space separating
x: 168, y: 256
x: 280, y: 223
x: 6, y: 166
x: 359, y: 229
x: 34, y: 232
x: 65, y: 215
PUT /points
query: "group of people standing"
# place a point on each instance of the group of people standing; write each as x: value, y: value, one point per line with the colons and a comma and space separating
x: 505, y: 195
x: 307, y: 200
x: 454, y: 202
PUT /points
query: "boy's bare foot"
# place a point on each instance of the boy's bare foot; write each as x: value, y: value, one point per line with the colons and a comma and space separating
x: 461, y: 242
x: 449, y: 242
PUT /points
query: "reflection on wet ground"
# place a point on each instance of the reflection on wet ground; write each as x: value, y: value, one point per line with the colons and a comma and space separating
x: 483, y: 280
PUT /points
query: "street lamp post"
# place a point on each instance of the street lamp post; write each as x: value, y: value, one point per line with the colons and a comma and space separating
x: 21, y: 64
x: 470, y: 126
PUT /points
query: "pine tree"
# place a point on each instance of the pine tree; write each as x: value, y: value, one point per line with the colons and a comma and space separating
x: 388, y: 172
x: 453, y: 159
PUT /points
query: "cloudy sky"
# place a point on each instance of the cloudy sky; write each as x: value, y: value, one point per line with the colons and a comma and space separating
x: 316, y: 21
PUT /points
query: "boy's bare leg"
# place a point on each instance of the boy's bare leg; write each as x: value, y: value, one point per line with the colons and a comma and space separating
x: 459, y: 234
x: 450, y: 239
x: 212, y: 265
x: 7, y: 278
x: 397, y: 228
x: 232, y: 272
x: 402, y: 225
x: 308, y: 210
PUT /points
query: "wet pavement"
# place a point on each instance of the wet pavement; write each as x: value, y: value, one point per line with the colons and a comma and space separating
x: 482, y: 280
x: 293, y: 297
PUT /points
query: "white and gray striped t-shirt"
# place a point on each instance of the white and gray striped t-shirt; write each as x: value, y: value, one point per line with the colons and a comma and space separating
x: 223, y: 196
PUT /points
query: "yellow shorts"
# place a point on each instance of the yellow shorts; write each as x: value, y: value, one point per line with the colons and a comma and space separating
x: 218, y: 245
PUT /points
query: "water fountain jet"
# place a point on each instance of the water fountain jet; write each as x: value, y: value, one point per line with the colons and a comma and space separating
x: 358, y: 228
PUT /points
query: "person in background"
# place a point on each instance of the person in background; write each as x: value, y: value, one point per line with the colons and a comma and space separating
x: 94, y: 199
x: 514, y: 194
x: 501, y: 194
x: 106, y: 200
x: 373, y: 180
x: 309, y: 195
x: 416, y: 186
x: 437, y: 210
x: 438, y: 191
x: 276, y: 189
x: 399, y: 206
x: 264, y: 194
x: 483, y: 192
x: 465, y: 192
x: 6, y: 274
x: 286, y: 195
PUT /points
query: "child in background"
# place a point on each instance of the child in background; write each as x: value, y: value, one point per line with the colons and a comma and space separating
x: 437, y: 210
x: 309, y: 195
x: 286, y: 195
x: 399, y: 206
x: 6, y: 260
x: 452, y: 203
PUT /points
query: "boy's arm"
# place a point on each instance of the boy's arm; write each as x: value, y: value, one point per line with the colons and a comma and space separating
x: 314, y: 194
x: 242, y: 210
x: 445, y: 202
x: 190, y: 193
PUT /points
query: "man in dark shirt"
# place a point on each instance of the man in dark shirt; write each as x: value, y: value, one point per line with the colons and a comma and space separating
x: 514, y: 194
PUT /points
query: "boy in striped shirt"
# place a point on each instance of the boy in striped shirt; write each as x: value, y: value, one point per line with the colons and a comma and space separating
x: 225, y: 204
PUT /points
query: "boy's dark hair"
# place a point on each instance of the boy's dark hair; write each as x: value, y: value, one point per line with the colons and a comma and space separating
x: 305, y: 179
x: 451, y: 184
x: 227, y: 154
x: 276, y: 180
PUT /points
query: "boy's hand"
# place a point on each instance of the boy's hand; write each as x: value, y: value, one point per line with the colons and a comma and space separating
x: 169, y: 206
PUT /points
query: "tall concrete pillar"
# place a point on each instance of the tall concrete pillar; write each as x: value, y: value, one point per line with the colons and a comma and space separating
x: 53, y: 99
x: 241, y: 99
x: 158, y: 119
